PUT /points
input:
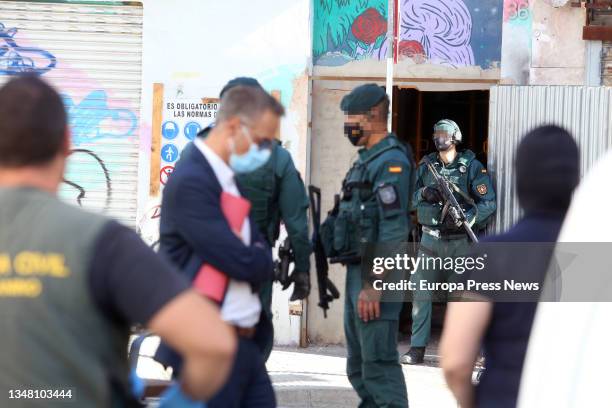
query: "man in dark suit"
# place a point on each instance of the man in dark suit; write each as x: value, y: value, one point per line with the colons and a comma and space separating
x: 194, y: 231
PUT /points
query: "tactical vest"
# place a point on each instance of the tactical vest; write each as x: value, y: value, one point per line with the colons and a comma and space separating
x: 458, y: 173
x: 53, y: 335
x: 357, y: 219
x: 260, y: 187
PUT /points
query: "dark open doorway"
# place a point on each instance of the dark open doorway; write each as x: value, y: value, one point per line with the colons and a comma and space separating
x: 414, y: 115
x: 415, y: 112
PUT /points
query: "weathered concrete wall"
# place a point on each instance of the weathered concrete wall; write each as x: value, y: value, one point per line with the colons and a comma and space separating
x: 331, y: 156
x: 558, y: 50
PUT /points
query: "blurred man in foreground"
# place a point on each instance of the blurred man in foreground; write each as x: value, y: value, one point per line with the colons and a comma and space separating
x: 72, y: 283
x: 547, y: 171
x: 569, y: 358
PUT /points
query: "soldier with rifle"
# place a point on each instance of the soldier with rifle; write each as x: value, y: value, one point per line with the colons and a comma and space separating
x: 374, y: 208
x: 454, y: 198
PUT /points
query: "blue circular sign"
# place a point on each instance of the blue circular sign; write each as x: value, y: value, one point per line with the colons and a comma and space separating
x: 170, y: 130
x: 169, y: 153
x: 191, y: 130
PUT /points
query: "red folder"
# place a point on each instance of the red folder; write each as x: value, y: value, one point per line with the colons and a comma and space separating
x: 210, y: 281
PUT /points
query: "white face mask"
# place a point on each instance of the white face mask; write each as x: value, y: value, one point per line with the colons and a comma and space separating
x: 252, y: 159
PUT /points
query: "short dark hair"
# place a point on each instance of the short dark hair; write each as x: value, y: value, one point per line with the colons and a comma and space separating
x: 248, y: 102
x: 33, y: 122
x: 383, y: 107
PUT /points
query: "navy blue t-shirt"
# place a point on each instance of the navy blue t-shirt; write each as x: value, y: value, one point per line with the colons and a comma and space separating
x: 129, y: 282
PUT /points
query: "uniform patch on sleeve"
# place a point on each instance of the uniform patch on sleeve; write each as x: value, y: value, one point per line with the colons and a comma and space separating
x: 482, y: 189
x: 395, y: 169
x: 483, y: 171
x: 388, y: 199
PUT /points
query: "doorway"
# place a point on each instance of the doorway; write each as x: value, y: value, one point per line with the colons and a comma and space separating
x: 414, y: 115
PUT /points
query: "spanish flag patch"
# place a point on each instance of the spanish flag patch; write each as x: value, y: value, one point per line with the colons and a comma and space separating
x: 395, y: 169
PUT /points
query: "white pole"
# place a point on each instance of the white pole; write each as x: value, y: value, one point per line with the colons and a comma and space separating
x: 391, y: 44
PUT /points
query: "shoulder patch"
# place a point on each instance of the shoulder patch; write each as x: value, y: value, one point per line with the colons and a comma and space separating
x: 395, y: 169
x: 482, y: 189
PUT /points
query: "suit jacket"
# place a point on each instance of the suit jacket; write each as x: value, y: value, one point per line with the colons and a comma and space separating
x: 193, y: 229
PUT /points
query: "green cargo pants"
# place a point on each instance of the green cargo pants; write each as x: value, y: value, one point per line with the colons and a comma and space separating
x: 373, y: 363
x: 421, y: 309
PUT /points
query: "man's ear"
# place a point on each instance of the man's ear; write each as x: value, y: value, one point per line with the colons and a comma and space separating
x: 67, y: 144
x: 233, y: 124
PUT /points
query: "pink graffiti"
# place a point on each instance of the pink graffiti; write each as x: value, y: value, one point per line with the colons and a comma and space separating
x: 516, y: 9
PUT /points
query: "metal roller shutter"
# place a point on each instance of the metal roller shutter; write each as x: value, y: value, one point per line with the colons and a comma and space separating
x: 606, y: 64
x: 92, y: 53
x: 514, y: 110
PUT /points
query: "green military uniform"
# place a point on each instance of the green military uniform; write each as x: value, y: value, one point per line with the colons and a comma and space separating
x: 478, y: 202
x: 276, y: 192
x: 48, y: 309
x: 374, y: 208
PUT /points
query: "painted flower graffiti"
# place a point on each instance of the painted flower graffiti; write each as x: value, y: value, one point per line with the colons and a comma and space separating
x: 444, y: 32
x: 368, y: 26
x: 347, y: 30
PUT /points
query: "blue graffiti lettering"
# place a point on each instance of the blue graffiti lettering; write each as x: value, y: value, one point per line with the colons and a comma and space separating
x: 92, y: 119
x: 15, y: 59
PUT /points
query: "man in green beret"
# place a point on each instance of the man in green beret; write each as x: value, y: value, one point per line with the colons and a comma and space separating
x: 277, y: 193
x: 374, y: 208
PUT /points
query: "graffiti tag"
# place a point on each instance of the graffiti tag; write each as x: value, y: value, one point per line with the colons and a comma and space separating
x: 92, y: 119
x: 15, y: 59
x: 82, y: 189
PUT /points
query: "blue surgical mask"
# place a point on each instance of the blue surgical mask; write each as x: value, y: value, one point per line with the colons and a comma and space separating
x: 252, y: 159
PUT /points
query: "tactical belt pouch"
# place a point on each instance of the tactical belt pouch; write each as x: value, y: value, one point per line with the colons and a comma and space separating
x: 368, y: 226
x: 327, y: 235
x: 342, y: 233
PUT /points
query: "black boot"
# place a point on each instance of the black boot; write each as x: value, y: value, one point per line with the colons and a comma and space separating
x: 414, y: 356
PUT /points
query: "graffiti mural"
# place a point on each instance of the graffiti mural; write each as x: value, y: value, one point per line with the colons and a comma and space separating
x: 93, y: 119
x: 346, y: 30
x: 16, y: 59
x: 98, y: 168
x: 446, y: 32
x: 516, y: 10
x: 438, y: 30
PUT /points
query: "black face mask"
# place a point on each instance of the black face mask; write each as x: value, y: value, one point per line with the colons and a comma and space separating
x: 442, y: 143
x: 354, y: 132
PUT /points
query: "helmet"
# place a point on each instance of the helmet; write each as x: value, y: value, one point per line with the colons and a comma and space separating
x: 451, y: 127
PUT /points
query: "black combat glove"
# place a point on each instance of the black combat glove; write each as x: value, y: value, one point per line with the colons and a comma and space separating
x: 449, y: 223
x: 301, y: 285
x: 432, y: 195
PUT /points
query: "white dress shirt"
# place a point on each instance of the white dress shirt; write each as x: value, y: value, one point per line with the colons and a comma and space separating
x: 241, y: 307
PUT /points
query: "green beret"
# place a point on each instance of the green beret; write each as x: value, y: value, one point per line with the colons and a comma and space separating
x: 362, y: 99
x: 240, y: 81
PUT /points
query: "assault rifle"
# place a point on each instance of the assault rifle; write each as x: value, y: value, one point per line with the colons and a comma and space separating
x: 454, y: 209
x: 327, y: 290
